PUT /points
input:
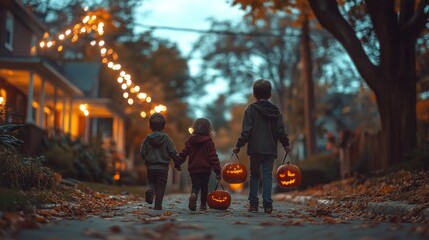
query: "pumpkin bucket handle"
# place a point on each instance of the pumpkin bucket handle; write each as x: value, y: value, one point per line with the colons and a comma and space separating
x: 235, y: 156
x: 217, y: 185
x: 284, y: 159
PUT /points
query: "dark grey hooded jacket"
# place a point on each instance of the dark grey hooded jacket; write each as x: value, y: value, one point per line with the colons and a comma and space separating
x: 262, y: 129
x: 157, y: 149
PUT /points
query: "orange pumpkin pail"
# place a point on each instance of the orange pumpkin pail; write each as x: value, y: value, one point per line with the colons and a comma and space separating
x: 288, y: 175
x: 234, y: 172
x: 219, y: 199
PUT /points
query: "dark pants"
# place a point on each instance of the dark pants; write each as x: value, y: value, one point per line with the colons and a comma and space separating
x: 157, y: 180
x: 200, y: 181
x: 256, y: 162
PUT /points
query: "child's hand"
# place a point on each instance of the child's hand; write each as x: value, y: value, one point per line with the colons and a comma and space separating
x: 236, y: 150
x: 218, y: 177
x: 287, y: 149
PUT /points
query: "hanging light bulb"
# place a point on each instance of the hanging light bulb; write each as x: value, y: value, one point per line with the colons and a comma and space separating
x: 130, y: 101
x: 125, y: 95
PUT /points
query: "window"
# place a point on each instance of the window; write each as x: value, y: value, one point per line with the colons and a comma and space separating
x: 9, y: 31
x: 33, y: 49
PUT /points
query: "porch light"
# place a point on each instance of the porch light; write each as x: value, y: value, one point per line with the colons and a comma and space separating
x: 143, y: 114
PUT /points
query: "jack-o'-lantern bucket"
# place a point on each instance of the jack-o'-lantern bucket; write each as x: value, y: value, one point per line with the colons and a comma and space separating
x: 219, y: 199
x: 288, y: 175
x: 234, y: 172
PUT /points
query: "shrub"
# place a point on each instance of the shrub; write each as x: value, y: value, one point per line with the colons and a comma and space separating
x: 17, y: 171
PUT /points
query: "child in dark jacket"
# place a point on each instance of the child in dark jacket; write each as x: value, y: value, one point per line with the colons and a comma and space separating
x: 262, y: 128
x: 202, y: 160
x: 157, y: 149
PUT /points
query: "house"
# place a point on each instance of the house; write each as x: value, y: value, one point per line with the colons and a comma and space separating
x: 48, y: 97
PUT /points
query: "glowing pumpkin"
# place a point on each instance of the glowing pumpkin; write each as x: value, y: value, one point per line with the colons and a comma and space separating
x: 234, y: 173
x: 289, y: 176
x: 236, y: 187
x: 219, y: 199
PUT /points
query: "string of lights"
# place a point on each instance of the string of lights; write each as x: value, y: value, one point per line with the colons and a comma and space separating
x: 91, y: 24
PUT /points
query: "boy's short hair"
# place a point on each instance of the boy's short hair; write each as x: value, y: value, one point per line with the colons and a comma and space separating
x: 157, y: 122
x: 262, y: 89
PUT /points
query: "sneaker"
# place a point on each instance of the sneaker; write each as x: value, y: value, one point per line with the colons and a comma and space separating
x: 253, y: 208
x: 149, y: 196
x: 268, y: 210
x: 157, y: 207
x: 193, y: 202
x: 203, y: 207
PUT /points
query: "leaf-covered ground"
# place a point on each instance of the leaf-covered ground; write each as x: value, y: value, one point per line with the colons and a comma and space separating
x: 64, y: 203
x: 350, y: 197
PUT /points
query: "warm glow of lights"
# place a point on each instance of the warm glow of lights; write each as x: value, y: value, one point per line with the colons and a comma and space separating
x: 49, y: 44
x: 143, y: 114
x: 93, y: 42
x: 152, y: 111
x: 117, y: 176
x: 132, y: 90
x: 130, y: 101
x: 122, y: 73
x: 110, y: 65
x: 86, y: 19
x: 125, y: 95
x: 104, y: 60
x: 93, y: 17
x: 46, y: 35
x: 115, y: 56
x: 127, y: 76
x: 190, y: 130
x: 83, y: 29
x: 136, y: 88
x: 35, y: 104
x: 160, y: 108
x: 129, y: 82
x: 47, y: 110
x: 142, y: 96
x: 101, y: 25
x: 60, y: 48
x: 61, y: 37
x: 103, y: 51
x: 86, y: 113
x: 42, y: 44
x: 1, y: 100
x: 83, y: 107
x: 101, y: 43
x: 120, y: 79
x: 68, y: 31
x: 124, y: 86
x: 148, y: 99
x: 74, y: 38
x: 110, y: 51
x: 86, y: 8
x: 117, y: 67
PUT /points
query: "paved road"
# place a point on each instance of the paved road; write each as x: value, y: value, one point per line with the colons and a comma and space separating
x: 288, y: 221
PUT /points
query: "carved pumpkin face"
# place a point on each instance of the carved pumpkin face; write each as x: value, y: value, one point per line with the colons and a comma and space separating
x: 234, y: 173
x: 288, y: 176
x: 220, y: 200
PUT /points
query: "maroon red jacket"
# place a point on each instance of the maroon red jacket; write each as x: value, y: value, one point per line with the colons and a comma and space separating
x: 202, y: 155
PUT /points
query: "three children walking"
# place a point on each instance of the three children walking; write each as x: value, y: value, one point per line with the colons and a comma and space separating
x: 262, y: 129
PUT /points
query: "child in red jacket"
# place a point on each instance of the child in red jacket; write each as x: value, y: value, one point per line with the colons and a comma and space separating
x: 202, y: 160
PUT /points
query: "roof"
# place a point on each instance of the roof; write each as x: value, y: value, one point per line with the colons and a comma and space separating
x: 26, y: 15
x: 43, y: 66
x: 83, y: 75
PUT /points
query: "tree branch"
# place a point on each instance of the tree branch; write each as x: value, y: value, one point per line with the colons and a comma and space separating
x: 329, y: 16
x: 417, y: 22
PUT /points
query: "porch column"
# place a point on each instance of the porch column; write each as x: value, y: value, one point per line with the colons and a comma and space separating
x: 121, y: 136
x: 63, y: 117
x: 115, y: 129
x: 70, y: 114
x: 87, y: 132
x: 55, y: 109
x: 42, y: 104
x: 29, y: 118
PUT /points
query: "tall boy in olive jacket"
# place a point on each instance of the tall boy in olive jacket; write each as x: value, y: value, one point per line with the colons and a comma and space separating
x: 157, y: 149
x: 262, y: 128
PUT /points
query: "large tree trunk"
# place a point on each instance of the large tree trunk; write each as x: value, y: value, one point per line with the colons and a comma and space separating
x: 306, y: 75
x: 394, y: 79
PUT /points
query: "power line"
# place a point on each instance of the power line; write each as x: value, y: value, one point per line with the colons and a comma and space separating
x: 216, y: 32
